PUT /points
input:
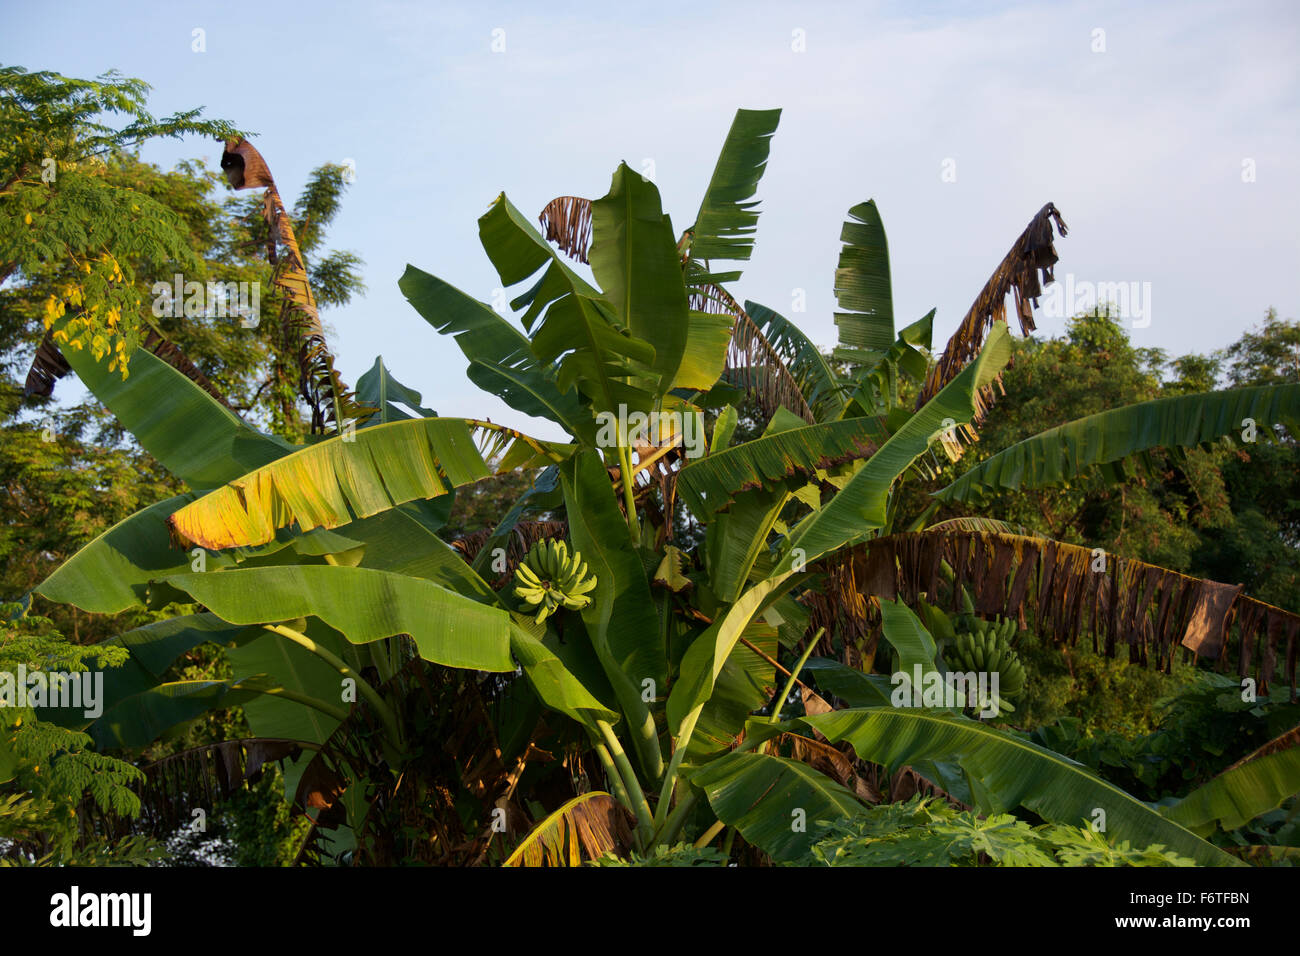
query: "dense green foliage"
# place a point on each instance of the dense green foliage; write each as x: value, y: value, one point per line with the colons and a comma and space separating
x: 434, y: 716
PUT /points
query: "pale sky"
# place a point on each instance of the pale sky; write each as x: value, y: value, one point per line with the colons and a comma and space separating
x: 1166, y: 133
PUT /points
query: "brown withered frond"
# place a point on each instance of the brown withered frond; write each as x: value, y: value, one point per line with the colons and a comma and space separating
x: 752, y: 362
x: 566, y: 221
x: 319, y: 384
x: 49, y: 365
x: 1022, y: 273
x: 522, y: 538
x: 1061, y: 586
x: 835, y: 763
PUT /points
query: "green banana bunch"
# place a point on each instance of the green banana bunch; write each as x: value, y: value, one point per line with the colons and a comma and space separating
x: 987, y: 647
x: 550, y: 578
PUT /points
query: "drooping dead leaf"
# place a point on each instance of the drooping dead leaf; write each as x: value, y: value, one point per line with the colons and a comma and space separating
x: 319, y: 384
x: 566, y: 221
x: 1030, y: 260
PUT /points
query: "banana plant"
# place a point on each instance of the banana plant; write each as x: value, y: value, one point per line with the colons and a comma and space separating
x: 320, y: 568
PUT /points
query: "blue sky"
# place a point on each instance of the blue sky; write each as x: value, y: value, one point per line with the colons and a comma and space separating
x: 1141, y: 144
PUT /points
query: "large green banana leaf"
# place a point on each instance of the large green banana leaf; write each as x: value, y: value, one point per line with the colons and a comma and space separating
x: 112, y: 572
x: 359, y: 475
x: 634, y: 259
x: 364, y: 605
x: 555, y: 685
x: 737, y: 538
x: 518, y: 250
x: 909, y: 638
x: 860, y: 507
x: 398, y: 541
x: 378, y: 389
x: 1237, y: 796
x: 710, y: 484
x: 862, y: 284
x: 142, y: 718
x: 193, y: 435
x: 880, y: 379
x: 500, y: 356
x: 746, y: 682
x: 707, y: 655
x: 1182, y: 421
x: 293, y: 667
x: 779, y: 805
x: 621, y: 619
x: 611, y: 366
x: 152, y: 649
x: 1006, y: 771
x: 725, y: 224
x: 855, y: 688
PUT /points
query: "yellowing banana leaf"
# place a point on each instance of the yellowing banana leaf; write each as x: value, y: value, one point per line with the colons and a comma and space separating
x: 359, y: 475
x: 1006, y: 771
x: 1183, y: 421
x: 587, y: 827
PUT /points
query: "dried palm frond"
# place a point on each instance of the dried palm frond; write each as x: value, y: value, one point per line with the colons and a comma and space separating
x: 1022, y: 273
x: 49, y: 365
x: 319, y: 384
x: 566, y: 221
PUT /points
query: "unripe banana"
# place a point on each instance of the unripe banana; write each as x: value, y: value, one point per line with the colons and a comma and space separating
x: 551, y: 577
